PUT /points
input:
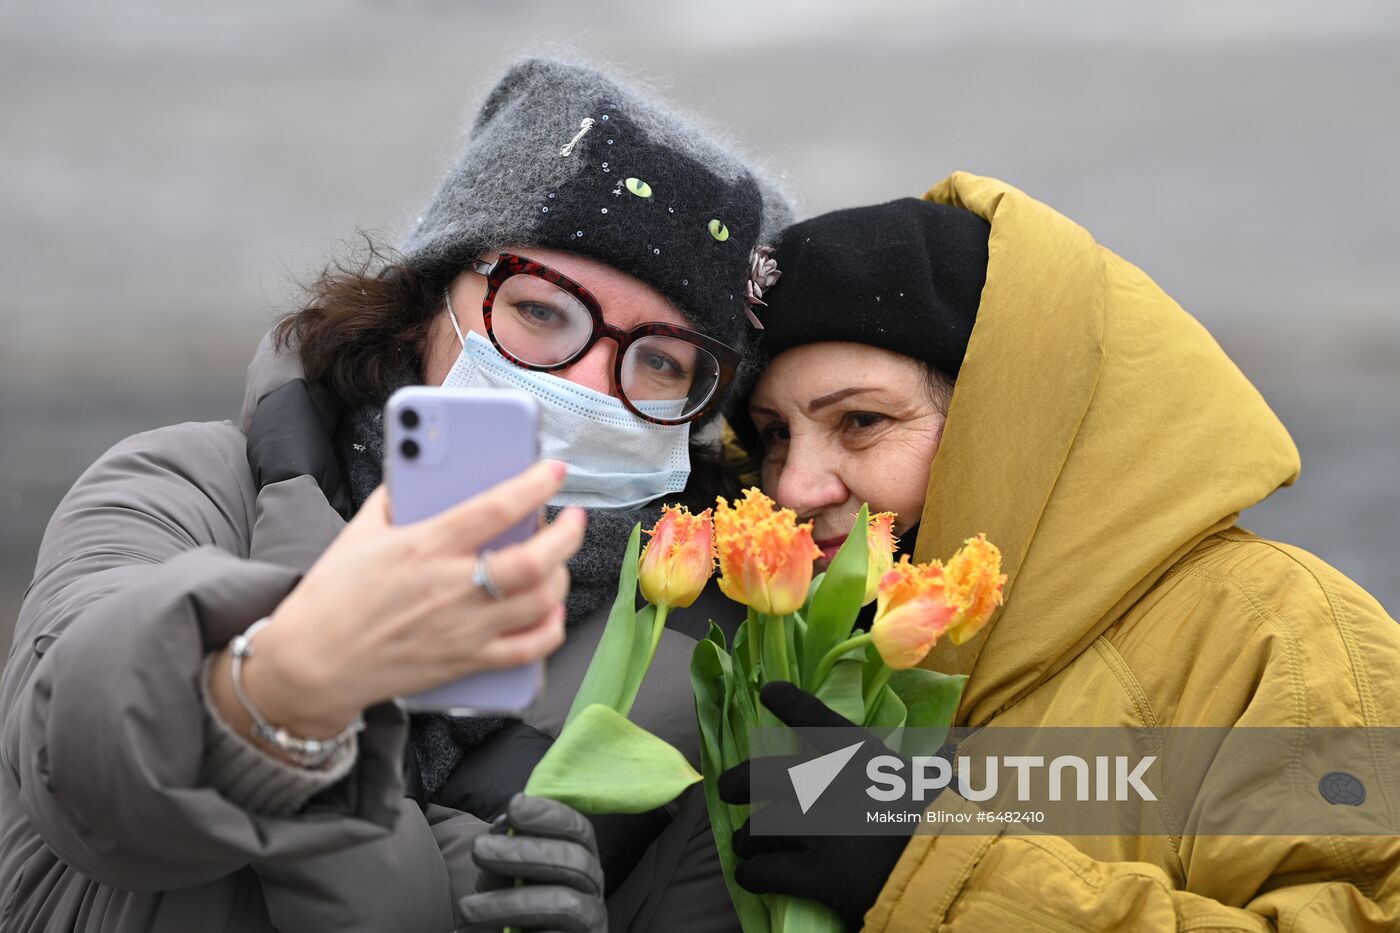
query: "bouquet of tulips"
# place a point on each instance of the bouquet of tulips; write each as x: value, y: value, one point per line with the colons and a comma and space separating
x: 799, y: 628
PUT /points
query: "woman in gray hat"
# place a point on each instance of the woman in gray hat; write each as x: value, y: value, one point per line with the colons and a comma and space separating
x: 145, y: 788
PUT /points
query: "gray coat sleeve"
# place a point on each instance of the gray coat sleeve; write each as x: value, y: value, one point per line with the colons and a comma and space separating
x: 160, y: 553
x: 254, y: 779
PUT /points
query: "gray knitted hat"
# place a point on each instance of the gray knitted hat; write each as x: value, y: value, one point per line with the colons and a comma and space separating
x: 566, y: 157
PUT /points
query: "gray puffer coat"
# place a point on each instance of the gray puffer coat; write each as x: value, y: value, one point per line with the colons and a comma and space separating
x: 162, y: 551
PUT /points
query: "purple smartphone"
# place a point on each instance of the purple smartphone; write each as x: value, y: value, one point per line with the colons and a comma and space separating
x: 444, y: 446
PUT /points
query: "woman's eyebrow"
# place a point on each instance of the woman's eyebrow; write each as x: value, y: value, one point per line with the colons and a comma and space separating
x: 833, y: 397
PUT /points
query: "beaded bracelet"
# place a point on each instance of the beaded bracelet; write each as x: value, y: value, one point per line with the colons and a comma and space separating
x: 309, y: 753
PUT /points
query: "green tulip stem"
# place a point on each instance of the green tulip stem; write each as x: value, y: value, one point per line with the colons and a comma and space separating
x: 784, y: 671
x: 832, y: 656
x: 877, y: 683
x: 755, y: 636
x: 662, y: 610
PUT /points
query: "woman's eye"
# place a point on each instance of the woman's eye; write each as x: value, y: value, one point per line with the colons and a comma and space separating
x: 774, y: 434
x: 538, y: 313
x: 863, y: 419
x: 663, y: 365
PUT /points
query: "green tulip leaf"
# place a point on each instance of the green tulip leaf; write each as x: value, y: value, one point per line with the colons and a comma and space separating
x: 887, y: 718
x: 742, y: 714
x: 799, y: 915
x: 842, y: 689
x: 812, y: 588
x: 716, y: 635
x: 608, y: 674
x: 716, y: 682
x: 724, y: 819
x: 709, y: 675
x: 604, y: 763
x: 837, y: 601
x: 712, y: 678
x: 637, y: 661
x: 752, y: 911
x: 742, y: 648
x: 889, y: 712
x: 797, y: 641
x: 931, y: 701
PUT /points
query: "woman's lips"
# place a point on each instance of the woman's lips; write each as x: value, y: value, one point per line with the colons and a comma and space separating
x: 829, y: 546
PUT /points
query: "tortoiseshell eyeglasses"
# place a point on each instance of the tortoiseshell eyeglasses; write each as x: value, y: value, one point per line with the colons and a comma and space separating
x: 543, y: 320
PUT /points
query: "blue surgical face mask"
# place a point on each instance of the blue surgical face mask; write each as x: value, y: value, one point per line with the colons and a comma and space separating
x: 615, y: 460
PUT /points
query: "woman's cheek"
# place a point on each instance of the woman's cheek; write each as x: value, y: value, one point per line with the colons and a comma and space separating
x: 869, y: 473
x: 895, y: 471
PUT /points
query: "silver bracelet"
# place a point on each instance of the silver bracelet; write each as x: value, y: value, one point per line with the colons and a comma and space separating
x: 309, y: 753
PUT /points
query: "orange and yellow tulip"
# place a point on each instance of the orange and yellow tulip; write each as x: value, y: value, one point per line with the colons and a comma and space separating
x: 975, y: 572
x: 765, y: 556
x: 880, y: 553
x: 916, y: 606
x: 679, y: 558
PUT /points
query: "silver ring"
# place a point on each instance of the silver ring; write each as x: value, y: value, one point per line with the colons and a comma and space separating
x: 481, y: 576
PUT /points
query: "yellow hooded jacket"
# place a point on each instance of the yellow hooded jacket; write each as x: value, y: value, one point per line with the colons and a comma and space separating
x: 1104, y: 441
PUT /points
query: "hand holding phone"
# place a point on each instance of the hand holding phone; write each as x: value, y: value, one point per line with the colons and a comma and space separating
x: 444, y: 446
x: 391, y: 610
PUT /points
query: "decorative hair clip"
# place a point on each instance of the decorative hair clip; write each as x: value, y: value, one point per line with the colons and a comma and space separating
x: 763, y: 275
x: 567, y: 149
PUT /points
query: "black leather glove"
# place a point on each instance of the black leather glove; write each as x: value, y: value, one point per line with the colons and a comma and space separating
x: 551, y: 847
x: 844, y: 872
x: 292, y: 434
x: 486, y: 779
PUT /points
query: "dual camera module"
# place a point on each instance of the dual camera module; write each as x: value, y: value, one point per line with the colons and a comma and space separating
x: 410, y: 448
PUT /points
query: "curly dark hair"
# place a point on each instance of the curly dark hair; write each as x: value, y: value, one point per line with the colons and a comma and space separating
x: 364, y: 319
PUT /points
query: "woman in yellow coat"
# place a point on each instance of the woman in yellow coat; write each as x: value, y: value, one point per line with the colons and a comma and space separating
x: 1096, y: 432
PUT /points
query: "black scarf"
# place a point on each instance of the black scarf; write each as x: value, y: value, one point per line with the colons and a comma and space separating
x: 440, y: 741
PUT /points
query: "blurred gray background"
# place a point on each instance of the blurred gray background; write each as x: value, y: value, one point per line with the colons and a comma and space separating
x: 167, y: 172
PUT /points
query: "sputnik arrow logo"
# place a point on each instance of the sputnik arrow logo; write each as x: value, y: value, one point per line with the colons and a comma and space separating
x: 811, y: 778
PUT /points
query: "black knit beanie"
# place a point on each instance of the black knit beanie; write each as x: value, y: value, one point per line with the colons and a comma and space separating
x: 906, y: 276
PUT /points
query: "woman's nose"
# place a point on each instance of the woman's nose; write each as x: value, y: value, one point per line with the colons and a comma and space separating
x: 594, y: 369
x: 806, y: 483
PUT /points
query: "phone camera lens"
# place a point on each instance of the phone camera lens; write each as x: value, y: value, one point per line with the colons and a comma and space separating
x: 409, y: 449
x: 409, y: 418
